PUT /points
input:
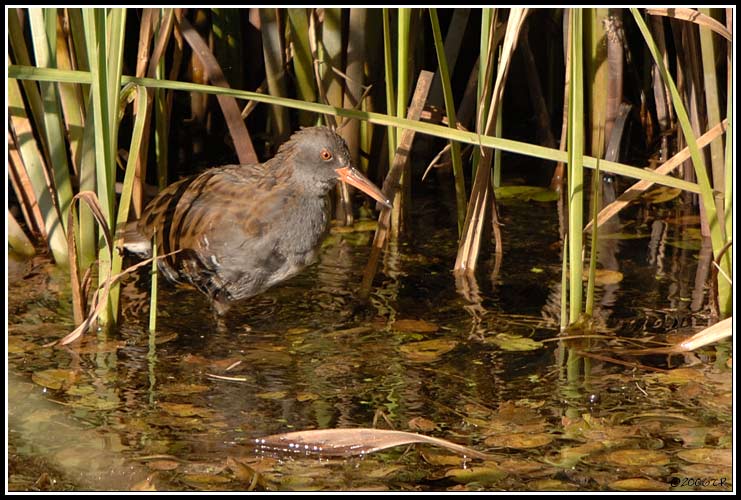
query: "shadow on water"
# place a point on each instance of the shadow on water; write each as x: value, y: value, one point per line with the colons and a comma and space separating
x: 473, y: 361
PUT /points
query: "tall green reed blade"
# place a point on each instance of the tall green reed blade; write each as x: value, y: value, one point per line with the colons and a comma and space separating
x: 403, y: 60
x: 712, y: 103
x: 496, y: 173
x: 154, y: 287
x: 44, y: 31
x: 729, y: 169
x: 455, y: 149
x: 33, y: 161
x: 161, y: 113
x: 127, y: 95
x: 21, y: 55
x: 576, y: 168
x: 332, y: 56
x: 272, y: 48
x: 596, y: 201
x: 302, y: 61
x: 98, y: 41
x: 484, y: 85
x: 227, y: 32
x: 725, y: 292
x: 87, y: 244
x: 390, y: 92
x: 595, y: 46
x: 354, y: 66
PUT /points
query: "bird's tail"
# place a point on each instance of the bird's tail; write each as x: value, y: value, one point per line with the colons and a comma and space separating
x: 135, y: 242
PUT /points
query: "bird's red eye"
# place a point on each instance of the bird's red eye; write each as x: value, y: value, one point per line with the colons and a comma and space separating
x: 326, y: 155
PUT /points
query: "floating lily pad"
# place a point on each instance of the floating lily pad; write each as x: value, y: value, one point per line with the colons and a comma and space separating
x: 509, y: 342
x: 185, y: 410
x: 519, y: 441
x: 551, y: 485
x: 639, y: 484
x: 710, y: 456
x: 427, y: 350
x: 488, y: 474
x: 201, y: 479
x: 636, y: 457
x: 436, y: 458
x: 414, y: 326
x: 55, y: 378
x: 272, y: 395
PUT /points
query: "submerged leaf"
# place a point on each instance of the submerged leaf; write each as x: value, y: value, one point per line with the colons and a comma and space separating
x: 486, y: 475
x: 639, y: 484
x: 637, y: 457
x: 427, y: 350
x: 509, y: 342
x: 551, y: 485
x: 55, y: 378
x: 414, y: 326
x: 710, y: 456
x: 519, y: 441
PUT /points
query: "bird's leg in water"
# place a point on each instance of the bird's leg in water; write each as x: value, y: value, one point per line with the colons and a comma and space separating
x: 220, y: 308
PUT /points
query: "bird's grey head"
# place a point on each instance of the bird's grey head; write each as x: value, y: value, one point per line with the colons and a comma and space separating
x: 316, y: 153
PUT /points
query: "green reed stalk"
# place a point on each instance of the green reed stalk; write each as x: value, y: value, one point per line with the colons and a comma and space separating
x: 33, y: 161
x: 302, y: 61
x: 43, y: 24
x: 403, y: 59
x: 564, y: 285
x: 485, y: 84
x: 390, y: 92
x: 153, y: 291
x: 274, y: 68
x: 712, y: 103
x: 161, y: 116
x: 496, y: 174
x: 596, y: 197
x: 455, y: 149
x: 595, y: 46
x: 729, y: 169
x: 98, y: 41
x: 576, y: 168
x: 127, y: 95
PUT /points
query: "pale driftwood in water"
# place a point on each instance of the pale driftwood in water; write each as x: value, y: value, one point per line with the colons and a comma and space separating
x: 351, y: 442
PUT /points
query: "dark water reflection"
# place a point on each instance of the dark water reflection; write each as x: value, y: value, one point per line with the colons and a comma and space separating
x: 308, y: 355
